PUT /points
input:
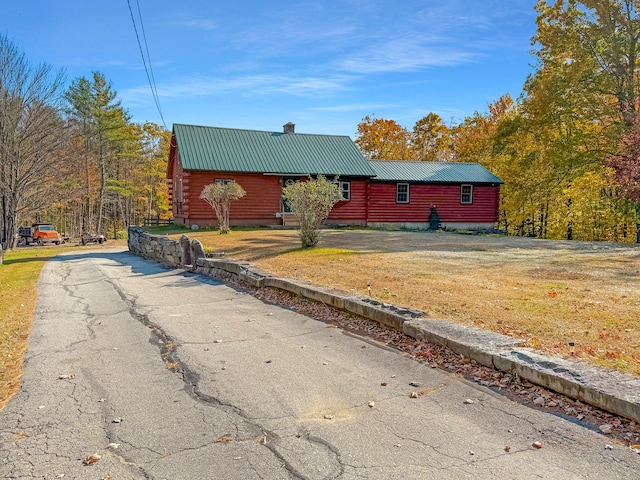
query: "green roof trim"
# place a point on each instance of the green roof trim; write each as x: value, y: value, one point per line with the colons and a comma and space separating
x: 255, y: 151
x: 431, y: 172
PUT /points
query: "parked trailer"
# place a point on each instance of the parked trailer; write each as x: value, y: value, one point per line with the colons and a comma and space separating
x: 89, y: 238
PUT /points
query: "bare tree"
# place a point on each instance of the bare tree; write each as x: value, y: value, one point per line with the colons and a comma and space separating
x: 31, y: 135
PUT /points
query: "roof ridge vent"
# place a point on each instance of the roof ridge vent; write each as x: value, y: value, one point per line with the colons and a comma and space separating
x: 289, y: 127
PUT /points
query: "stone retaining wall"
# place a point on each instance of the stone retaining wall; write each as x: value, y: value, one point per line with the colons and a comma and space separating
x: 612, y: 391
x: 189, y: 254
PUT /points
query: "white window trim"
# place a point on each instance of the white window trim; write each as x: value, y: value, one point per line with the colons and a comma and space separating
x: 463, y: 194
x: 398, y: 192
x: 345, y: 187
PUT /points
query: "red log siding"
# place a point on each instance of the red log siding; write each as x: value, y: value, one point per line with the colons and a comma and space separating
x: 373, y: 202
x: 384, y: 209
x: 258, y: 206
x: 354, y: 210
x: 177, y: 173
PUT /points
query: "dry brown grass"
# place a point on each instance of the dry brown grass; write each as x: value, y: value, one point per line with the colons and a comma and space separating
x: 550, y: 293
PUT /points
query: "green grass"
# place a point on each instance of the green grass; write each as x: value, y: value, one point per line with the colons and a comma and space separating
x: 18, y: 296
x: 18, y: 277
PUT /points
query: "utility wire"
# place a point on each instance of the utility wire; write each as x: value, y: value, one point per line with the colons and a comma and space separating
x: 150, y: 76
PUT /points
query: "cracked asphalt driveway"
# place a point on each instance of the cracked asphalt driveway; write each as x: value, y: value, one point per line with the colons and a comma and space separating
x: 168, y: 375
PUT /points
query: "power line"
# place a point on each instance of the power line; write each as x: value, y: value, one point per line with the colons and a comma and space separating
x: 150, y: 76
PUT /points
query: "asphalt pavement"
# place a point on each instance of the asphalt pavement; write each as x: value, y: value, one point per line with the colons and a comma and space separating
x: 136, y: 371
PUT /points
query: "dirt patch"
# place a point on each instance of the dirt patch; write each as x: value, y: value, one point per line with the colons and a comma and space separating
x: 573, y: 299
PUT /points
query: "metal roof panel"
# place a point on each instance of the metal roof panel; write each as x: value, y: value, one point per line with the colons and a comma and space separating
x: 236, y: 150
x: 431, y: 172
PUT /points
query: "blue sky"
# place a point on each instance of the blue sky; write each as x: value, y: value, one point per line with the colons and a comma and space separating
x: 258, y: 64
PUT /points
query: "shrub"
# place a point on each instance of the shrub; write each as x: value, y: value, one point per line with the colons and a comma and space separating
x: 219, y: 196
x: 311, y: 201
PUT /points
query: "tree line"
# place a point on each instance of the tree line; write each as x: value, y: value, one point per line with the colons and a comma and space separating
x: 568, y: 149
x: 71, y: 156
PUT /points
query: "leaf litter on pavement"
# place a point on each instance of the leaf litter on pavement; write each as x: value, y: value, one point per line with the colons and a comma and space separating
x: 522, y: 391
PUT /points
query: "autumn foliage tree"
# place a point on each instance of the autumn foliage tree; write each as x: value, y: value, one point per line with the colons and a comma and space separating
x: 431, y: 139
x: 220, y: 195
x: 380, y: 139
x: 627, y: 165
x: 626, y: 168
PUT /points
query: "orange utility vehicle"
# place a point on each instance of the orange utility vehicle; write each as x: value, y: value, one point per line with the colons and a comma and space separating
x: 40, y: 233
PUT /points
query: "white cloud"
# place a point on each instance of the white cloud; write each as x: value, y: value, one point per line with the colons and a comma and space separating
x: 356, y: 107
x: 405, y: 55
x: 250, y: 85
x: 198, y: 23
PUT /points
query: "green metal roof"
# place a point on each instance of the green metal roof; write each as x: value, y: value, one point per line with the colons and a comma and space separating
x: 432, y: 172
x: 235, y: 150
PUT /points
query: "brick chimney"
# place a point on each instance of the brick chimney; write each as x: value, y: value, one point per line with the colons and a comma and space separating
x: 289, y: 127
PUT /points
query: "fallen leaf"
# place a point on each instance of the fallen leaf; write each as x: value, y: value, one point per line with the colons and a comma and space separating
x: 606, y: 428
x: 225, y: 439
x: 91, y: 459
x: 539, y: 401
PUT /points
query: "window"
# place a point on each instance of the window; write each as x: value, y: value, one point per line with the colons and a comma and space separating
x: 466, y: 194
x: 223, y: 181
x: 402, y: 193
x: 346, y: 190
